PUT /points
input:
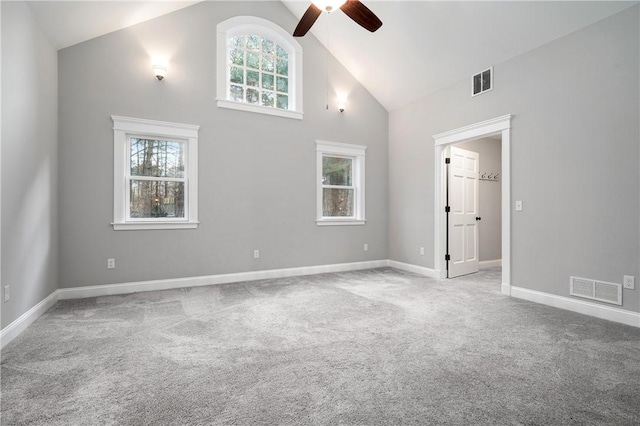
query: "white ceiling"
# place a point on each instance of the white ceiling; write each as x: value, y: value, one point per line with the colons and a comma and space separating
x: 71, y: 22
x: 423, y: 46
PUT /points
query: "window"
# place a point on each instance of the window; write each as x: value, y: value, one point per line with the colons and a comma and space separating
x: 340, y: 183
x: 259, y: 68
x: 155, y: 174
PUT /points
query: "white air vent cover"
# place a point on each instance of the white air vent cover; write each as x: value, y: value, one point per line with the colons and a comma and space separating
x: 482, y: 82
x: 596, y: 290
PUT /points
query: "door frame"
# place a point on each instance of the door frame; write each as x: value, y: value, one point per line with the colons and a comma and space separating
x: 496, y: 126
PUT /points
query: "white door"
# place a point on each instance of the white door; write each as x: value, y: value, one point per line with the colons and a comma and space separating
x: 463, y: 212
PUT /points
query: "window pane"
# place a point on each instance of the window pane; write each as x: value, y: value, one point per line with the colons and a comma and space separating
x: 156, y: 199
x: 337, y: 202
x: 282, y: 102
x: 253, y: 42
x: 252, y: 78
x: 237, y: 93
x: 283, y: 84
x: 237, y: 56
x: 253, y: 60
x: 267, y: 63
x: 281, y: 52
x: 337, y: 171
x: 267, y: 46
x: 267, y: 81
x: 237, y: 41
x: 252, y: 96
x: 237, y: 75
x: 149, y: 157
x: 283, y: 67
x: 267, y: 99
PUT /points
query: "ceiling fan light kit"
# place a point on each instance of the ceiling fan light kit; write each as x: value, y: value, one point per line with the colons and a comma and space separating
x: 328, y: 5
x: 354, y: 9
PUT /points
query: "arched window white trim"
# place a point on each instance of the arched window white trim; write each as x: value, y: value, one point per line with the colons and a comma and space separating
x: 243, y: 25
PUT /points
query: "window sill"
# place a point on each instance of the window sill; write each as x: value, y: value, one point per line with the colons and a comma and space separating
x: 223, y: 103
x: 141, y: 226
x: 340, y: 222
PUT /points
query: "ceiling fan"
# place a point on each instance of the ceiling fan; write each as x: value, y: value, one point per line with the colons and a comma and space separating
x: 354, y: 9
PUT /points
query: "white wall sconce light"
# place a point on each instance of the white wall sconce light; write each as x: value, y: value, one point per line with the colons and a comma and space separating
x: 160, y: 71
x: 342, y: 103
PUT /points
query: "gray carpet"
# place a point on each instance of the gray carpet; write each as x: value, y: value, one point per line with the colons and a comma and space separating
x: 359, y: 348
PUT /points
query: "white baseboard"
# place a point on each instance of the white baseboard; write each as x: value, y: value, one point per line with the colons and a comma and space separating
x: 490, y: 263
x: 421, y: 270
x: 580, y: 306
x: 12, y: 331
x: 168, y: 284
x: 506, y: 289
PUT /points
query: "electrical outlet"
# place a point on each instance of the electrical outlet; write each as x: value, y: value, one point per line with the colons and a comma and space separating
x: 6, y: 293
x: 111, y: 263
x: 629, y: 282
x: 421, y: 251
x: 366, y: 247
x: 256, y: 254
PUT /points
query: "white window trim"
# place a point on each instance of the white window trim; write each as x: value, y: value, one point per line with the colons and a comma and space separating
x: 254, y: 25
x: 357, y: 153
x: 125, y: 127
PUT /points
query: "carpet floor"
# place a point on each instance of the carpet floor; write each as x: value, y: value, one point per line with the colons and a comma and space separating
x: 373, y: 347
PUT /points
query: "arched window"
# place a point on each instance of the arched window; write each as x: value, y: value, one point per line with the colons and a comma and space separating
x: 259, y: 67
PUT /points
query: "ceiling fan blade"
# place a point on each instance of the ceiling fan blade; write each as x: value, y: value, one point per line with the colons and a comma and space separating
x: 361, y: 14
x: 307, y: 20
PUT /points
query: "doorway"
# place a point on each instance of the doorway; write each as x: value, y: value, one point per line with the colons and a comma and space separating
x: 475, y: 206
x: 501, y: 127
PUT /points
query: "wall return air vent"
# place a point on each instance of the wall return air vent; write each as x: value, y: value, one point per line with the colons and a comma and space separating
x: 596, y: 290
x: 482, y: 82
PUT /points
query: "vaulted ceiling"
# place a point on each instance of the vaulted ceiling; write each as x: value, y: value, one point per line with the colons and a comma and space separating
x: 423, y: 46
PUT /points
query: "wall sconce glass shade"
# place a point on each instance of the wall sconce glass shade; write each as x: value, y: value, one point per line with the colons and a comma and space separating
x: 342, y: 104
x: 160, y: 71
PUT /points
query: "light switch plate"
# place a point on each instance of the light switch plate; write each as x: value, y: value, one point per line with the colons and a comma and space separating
x: 518, y: 206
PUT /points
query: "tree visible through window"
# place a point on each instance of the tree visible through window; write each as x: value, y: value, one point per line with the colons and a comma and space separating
x: 337, y: 187
x: 157, y: 180
x: 258, y: 71
x: 155, y: 174
x: 259, y: 68
x: 340, y: 183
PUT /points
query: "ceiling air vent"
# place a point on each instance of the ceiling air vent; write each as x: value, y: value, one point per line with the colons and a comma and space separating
x: 596, y: 290
x: 482, y: 82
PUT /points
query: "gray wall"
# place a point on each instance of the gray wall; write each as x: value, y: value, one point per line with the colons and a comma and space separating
x: 574, y: 158
x: 29, y: 161
x: 256, y: 172
x: 490, y: 197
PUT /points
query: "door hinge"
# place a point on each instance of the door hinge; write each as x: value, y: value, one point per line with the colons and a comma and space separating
x: 447, y: 160
x: 447, y: 209
x: 447, y: 257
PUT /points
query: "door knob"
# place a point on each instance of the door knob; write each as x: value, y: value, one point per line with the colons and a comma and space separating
x: 478, y: 218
